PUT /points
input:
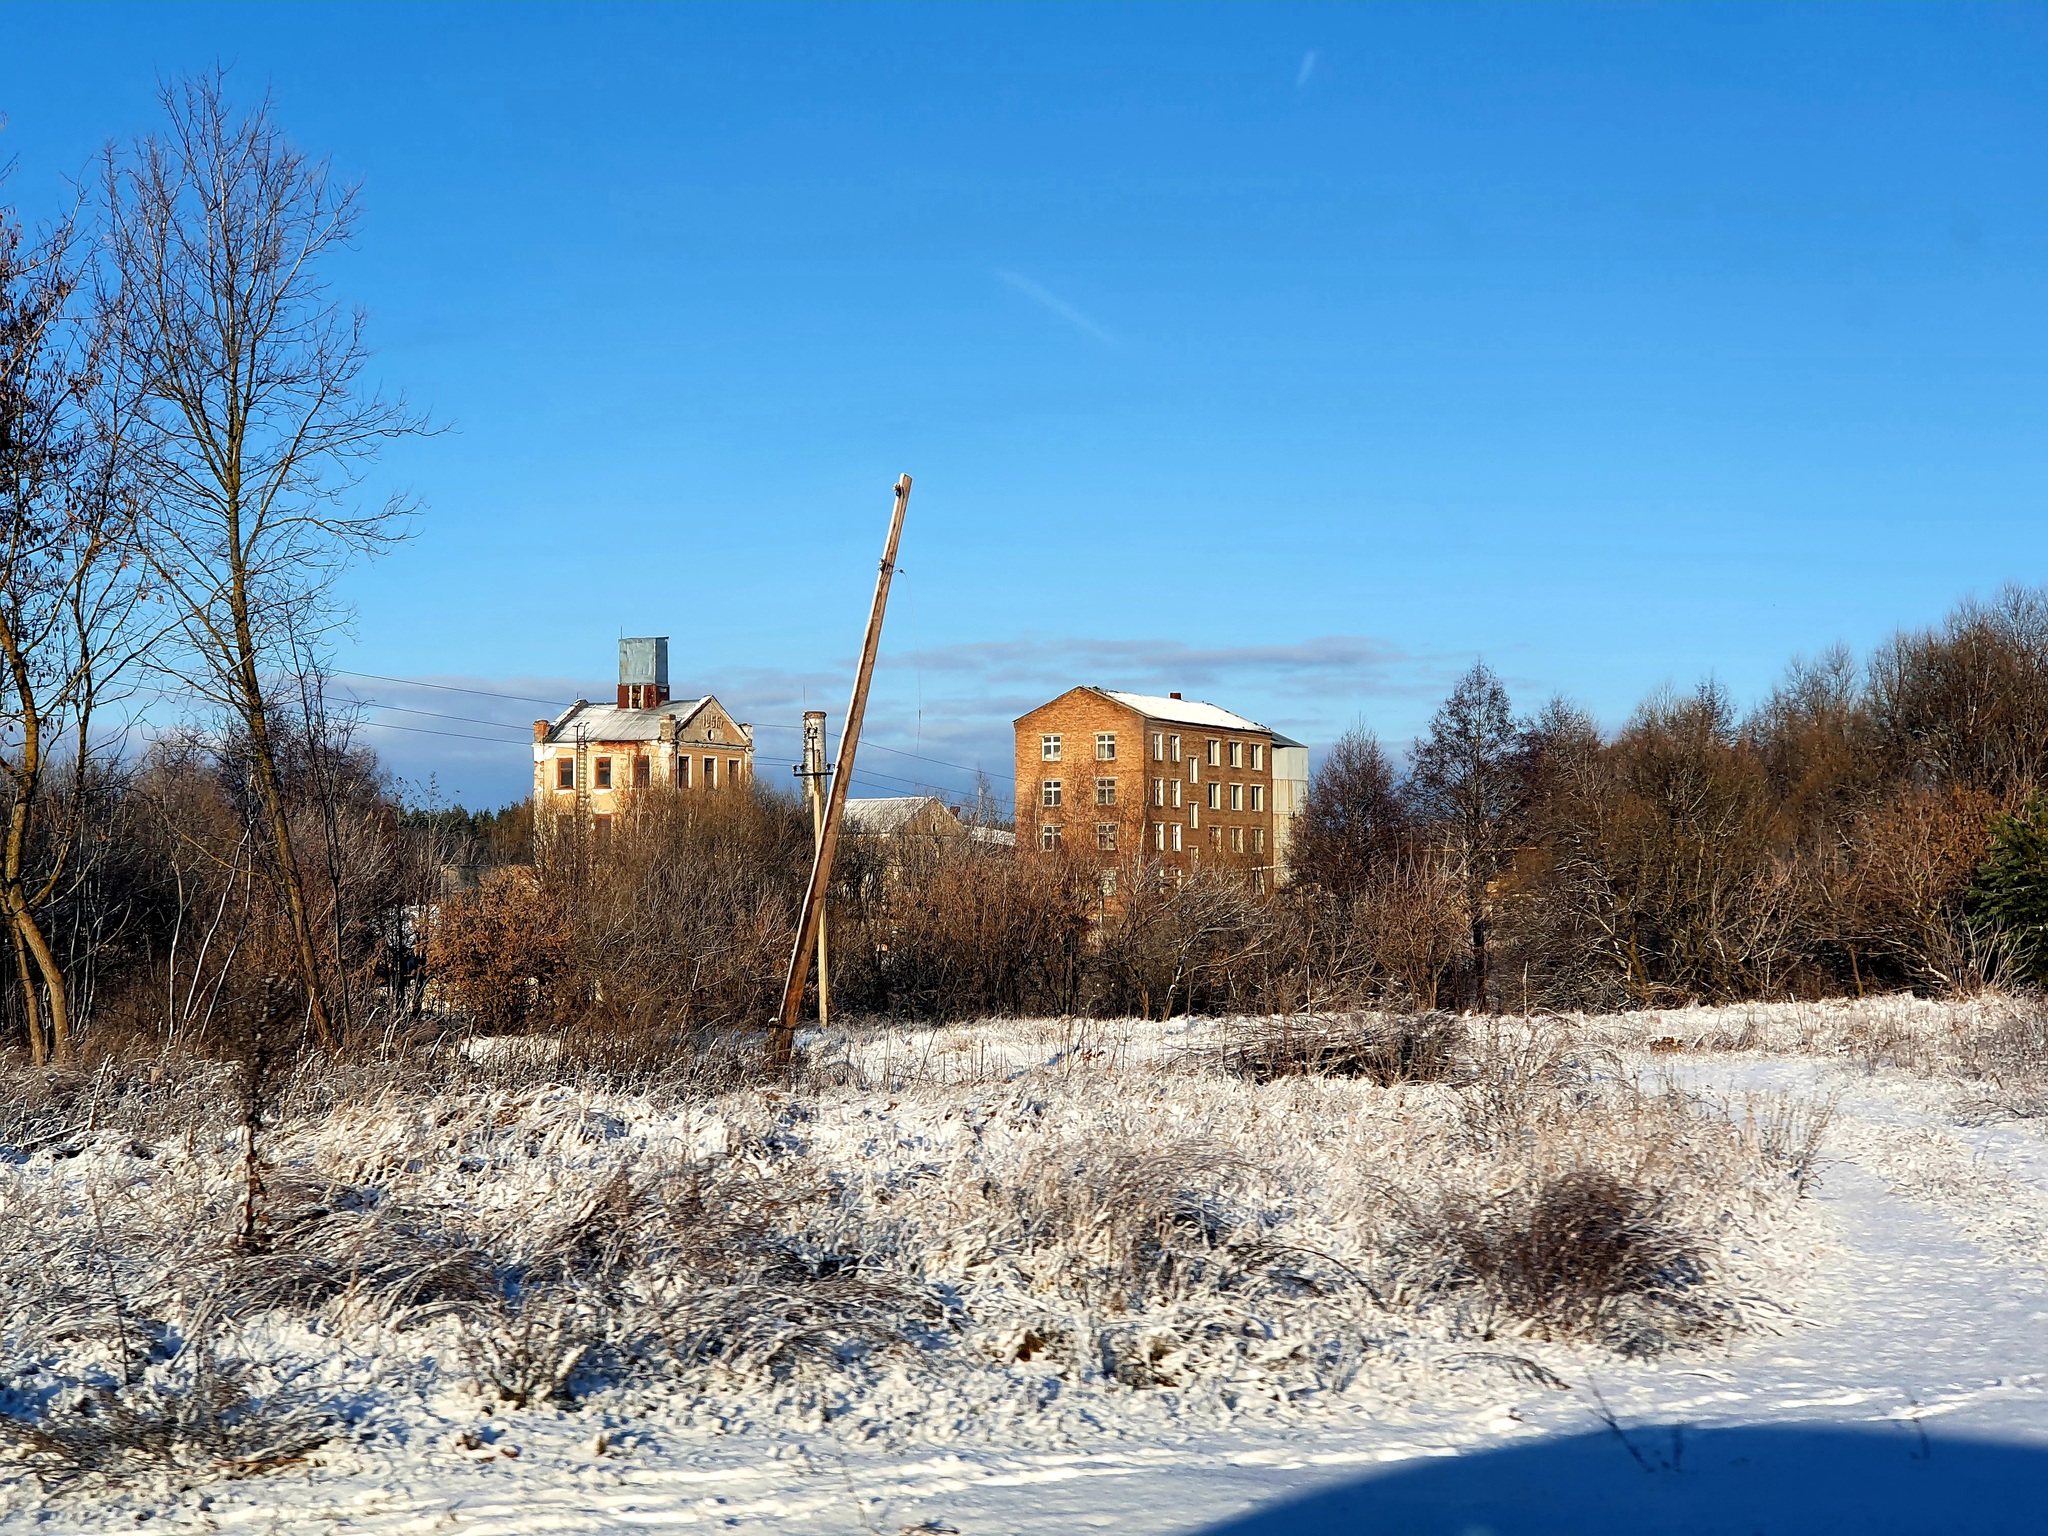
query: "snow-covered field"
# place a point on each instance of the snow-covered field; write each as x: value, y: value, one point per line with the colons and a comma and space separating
x: 1047, y: 1276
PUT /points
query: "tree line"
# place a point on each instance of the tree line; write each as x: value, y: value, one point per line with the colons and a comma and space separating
x: 1863, y: 828
x: 186, y: 427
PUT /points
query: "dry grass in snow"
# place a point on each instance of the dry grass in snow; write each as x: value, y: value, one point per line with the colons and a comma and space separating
x: 998, y: 1226
x: 1990, y: 1052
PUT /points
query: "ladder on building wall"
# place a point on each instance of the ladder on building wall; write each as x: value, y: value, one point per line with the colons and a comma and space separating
x: 582, y: 830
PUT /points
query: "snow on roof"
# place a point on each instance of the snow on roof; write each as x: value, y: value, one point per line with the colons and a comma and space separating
x: 888, y: 813
x: 1183, y: 711
x: 607, y: 722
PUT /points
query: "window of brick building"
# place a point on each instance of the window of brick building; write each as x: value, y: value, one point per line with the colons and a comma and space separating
x: 1049, y: 791
x: 1216, y: 838
x: 1049, y: 836
x: 604, y: 773
x: 1176, y: 837
x: 1194, y: 816
x: 1237, y: 839
x: 1259, y: 882
x: 643, y: 773
x: 1194, y: 771
x: 1237, y: 754
x: 1258, y: 839
x: 1158, y: 747
x: 732, y: 770
x: 1237, y: 797
x: 1159, y: 836
x: 682, y: 773
x: 1105, y: 746
x: 1258, y: 797
x: 1105, y: 791
x: 1258, y: 755
x: 1176, y: 794
x: 1173, y: 748
x: 601, y: 831
x: 1048, y: 749
x: 565, y: 773
x: 1159, y: 791
x: 711, y: 773
x: 1215, y: 754
x: 1105, y: 836
x: 1215, y: 797
x: 1109, y: 882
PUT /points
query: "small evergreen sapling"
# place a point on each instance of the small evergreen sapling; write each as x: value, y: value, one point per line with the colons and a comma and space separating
x: 2012, y: 886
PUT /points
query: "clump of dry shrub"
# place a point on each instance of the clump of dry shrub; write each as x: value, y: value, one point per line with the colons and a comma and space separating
x: 2004, y: 1060
x: 199, y: 1413
x: 1581, y: 1253
x: 1263, y: 1221
x: 1383, y: 1049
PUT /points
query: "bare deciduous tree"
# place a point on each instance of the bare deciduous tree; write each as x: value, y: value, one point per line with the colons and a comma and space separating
x: 66, y: 593
x: 1352, y: 829
x: 261, y: 424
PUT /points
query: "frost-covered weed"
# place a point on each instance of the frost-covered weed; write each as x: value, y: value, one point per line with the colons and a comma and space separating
x: 197, y: 1412
x: 1990, y: 1049
x: 992, y: 1210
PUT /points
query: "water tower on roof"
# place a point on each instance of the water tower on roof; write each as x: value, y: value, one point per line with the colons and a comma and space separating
x: 643, y: 672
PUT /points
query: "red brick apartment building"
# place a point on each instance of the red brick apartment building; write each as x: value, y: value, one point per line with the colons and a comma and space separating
x: 588, y: 760
x: 1133, y: 779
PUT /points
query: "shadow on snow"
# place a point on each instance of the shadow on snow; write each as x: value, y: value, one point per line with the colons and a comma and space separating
x: 1673, y: 1480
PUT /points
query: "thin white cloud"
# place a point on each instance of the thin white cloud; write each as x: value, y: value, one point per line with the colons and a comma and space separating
x: 1308, y: 67
x: 1056, y: 305
x: 1351, y: 664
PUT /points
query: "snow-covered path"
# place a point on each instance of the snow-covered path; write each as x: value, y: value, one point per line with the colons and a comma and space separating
x: 1912, y: 1396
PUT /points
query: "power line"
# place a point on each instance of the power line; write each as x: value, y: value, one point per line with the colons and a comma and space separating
x: 414, y: 682
x: 530, y: 699
x: 435, y: 714
x: 421, y: 730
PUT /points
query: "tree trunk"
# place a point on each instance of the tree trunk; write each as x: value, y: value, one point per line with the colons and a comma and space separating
x: 1479, y: 998
x: 30, y: 943
x: 272, y: 795
x: 38, y: 1047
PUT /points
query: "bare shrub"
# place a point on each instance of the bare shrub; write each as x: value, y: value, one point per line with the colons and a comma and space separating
x: 542, y: 1230
x: 1119, y: 1225
x: 1791, y: 1134
x: 2002, y: 1060
x: 1414, y: 921
x: 760, y: 1276
x: 1580, y: 1253
x: 1524, y: 1079
x: 1404, y: 1048
x: 1178, y: 943
x: 201, y: 1412
x: 500, y: 953
x: 964, y: 934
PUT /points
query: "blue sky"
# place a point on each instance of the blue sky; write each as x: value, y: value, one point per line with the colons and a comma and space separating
x: 1291, y: 357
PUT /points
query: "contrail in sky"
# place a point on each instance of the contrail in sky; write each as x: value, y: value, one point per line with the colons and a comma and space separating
x: 1057, y: 305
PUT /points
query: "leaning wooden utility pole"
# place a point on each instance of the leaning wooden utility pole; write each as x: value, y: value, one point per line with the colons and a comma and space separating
x: 812, y: 772
x: 782, y: 1033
